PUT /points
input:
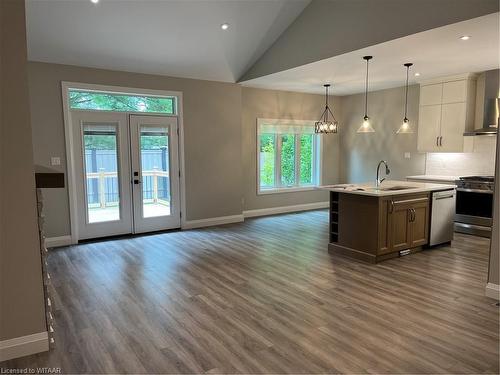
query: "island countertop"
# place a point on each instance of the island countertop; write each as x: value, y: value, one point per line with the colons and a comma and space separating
x: 387, y: 188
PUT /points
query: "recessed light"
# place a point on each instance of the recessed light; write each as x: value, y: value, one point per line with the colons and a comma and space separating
x: 94, y: 1
x: 224, y: 26
x: 465, y: 37
x: 417, y: 74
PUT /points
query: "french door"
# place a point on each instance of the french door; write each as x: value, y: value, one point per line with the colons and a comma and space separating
x: 127, y: 173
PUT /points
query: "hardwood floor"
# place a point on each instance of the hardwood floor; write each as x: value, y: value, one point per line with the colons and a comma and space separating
x: 264, y: 296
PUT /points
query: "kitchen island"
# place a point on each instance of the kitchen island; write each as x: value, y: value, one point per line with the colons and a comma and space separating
x: 376, y: 223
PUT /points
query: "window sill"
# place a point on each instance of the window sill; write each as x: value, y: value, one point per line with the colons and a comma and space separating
x: 286, y: 190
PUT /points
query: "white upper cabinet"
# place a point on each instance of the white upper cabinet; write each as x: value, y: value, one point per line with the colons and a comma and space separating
x: 431, y: 94
x: 446, y: 111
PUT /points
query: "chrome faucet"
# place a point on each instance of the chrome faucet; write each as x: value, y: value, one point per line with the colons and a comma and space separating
x: 378, y: 181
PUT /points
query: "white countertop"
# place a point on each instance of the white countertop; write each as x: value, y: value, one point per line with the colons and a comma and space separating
x: 434, y: 177
x: 371, y: 190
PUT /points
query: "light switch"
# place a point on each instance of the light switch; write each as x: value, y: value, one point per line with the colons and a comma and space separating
x: 407, y: 155
x: 55, y: 160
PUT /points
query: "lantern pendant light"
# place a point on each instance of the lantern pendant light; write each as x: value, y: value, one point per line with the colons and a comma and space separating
x: 405, y: 127
x: 325, y: 125
x: 366, y: 127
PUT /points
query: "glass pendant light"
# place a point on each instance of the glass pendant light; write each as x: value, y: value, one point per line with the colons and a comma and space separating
x: 325, y: 125
x: 405, y: 127
x: 366, y: 127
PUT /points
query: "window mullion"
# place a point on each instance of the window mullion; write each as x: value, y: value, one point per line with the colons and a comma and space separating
x: 297, y: 159
x: 277, y: 161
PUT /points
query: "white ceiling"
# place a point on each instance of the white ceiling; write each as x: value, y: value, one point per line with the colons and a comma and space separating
x: 180, y: 38
x: 437, y: 52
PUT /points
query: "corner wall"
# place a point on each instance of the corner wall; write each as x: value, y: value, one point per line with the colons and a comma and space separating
x: 362, y: 152
x: 22, y: 310
x: 212, y: 136
x: 259, y: 103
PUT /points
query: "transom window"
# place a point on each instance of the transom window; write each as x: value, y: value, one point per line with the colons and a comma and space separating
x: 108, y: 101
x: 288, y: 155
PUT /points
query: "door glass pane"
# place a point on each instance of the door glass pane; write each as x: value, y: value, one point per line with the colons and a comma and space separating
x: 287, y: 159
x: 306, y: 159
x: 101, y: 172
x: 267, y: 156
x: 155, y: 171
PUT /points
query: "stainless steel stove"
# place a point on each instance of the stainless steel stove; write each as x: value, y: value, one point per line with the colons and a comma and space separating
x: 474, y: 209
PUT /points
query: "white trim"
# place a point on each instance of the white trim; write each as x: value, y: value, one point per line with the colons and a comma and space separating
x: 191, y: 224
x: 285, y: 209
x: 58, y: 241
x: 72, y: 196
x: 286, y: 189
x: 24, y: 345
x: 492, y: 291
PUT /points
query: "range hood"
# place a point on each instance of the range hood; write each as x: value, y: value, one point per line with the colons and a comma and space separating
x: 488, y: 98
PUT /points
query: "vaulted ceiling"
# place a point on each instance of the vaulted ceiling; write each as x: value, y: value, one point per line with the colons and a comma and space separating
x: 169, y: 37
x: 294, y: 45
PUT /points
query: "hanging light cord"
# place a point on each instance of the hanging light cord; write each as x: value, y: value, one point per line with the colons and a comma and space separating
x: 326, y: 104
x: 406, y: 96
x: 366, y: 90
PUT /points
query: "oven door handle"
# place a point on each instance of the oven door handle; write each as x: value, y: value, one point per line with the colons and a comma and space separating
x: 475, y: 191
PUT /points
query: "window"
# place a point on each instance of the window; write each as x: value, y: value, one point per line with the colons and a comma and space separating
x: 107, y: 101
x: 288, y: 155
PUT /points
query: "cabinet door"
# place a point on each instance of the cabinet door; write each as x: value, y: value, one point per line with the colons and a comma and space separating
x: 428, y: 128
x: 454, y: 92
x: 420, y: 224
x: 400, y: 227
x: 452, y: 127
x: 431, y: 94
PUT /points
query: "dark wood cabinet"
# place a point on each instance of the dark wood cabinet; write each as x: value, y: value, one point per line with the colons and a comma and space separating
x: 408, y: 222
x: 377, y: 228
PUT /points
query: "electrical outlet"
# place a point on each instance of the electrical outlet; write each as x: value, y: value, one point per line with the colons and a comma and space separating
x: 55, y: 160
x: 407, y: 155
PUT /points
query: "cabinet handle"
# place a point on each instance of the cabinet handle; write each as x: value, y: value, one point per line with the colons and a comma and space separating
x: 437, y: 141
x: 414, y: 214
x: 391, y: 210
x: 414, y: 200
x: 441, y: 141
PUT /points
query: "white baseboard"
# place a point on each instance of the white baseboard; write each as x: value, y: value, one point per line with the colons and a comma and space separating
x: 492, y: 291
x: 24, y: 345
x: 285, y: 209
x: 191, y: 224
x: 58, y: 241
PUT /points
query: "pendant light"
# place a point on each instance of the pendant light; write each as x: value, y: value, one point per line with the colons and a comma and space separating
x: 405, y: 127
x: 366, y: 127
x: 325, y: 125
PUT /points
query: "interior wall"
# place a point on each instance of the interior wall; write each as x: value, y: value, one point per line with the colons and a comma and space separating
x: 494, y: 267
x: 362, y: 152
x: 22, y: 309
x: 258, y: 103
x: 212, y: 136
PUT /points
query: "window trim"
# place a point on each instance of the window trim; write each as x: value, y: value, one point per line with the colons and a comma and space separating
x: 317, y: 155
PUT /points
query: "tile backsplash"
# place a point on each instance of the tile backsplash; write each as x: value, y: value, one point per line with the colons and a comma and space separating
x: 479, y: 162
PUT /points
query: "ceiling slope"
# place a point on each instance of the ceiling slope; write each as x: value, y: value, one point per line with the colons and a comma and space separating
x: 328, y: 28
x: 169, y: 37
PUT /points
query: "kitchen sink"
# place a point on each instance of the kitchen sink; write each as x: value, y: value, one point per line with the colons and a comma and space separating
x: 395, y: 188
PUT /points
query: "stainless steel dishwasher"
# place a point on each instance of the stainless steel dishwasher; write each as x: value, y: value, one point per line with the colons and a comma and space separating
x: 442, y: 216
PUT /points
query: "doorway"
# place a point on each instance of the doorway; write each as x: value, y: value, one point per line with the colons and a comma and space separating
x: 126, y: 173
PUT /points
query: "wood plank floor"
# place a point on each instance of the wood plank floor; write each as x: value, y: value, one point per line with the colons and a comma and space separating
x: 264, y: 296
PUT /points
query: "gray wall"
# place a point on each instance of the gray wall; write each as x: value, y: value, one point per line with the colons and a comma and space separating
x: 494, y: 273
x: 259, y: 103
x: 362, y: 152
x: 21, y: 294
x: 212, y: 128
x: 328, y: 28
x: 220, y: 159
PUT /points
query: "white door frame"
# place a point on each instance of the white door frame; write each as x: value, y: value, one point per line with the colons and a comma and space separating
x: 68, y: 133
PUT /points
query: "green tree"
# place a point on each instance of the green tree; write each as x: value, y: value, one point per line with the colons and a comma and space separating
x: 288, y: 159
